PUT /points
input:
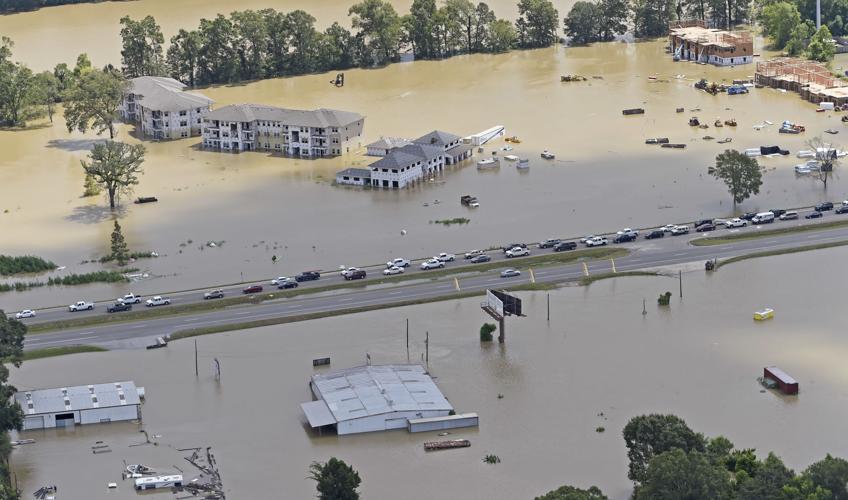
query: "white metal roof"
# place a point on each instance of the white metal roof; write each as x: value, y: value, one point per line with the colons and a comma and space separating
x: 160, y: 93
x: 81, y: 397
x: 374, y: 390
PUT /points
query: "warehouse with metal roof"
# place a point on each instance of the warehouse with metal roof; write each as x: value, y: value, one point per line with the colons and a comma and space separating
x: 373, y: 398
x: 82, y: 404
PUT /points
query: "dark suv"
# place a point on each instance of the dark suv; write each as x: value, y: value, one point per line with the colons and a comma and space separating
x: 777, y: 212
x: 355, y: 275
x: 285, y: 284
x: 307, y: 276
x: 623, y: 238
x: 119, y: 307
x: 703, y: 222
x: 565, y: 245
x: 656, y: 233
x: 822, y: 207
x: 550, y: 243
x: 513, y: 245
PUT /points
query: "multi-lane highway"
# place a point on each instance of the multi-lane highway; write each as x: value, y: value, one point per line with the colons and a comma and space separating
x: 643, y: 255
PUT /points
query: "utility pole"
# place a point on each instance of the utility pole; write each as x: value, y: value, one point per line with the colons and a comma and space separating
x: 680, y: 278
x: 644, y: 309
x: 549, y: 307
x: 407, y: 340
x: 427, y: 349
x: 818, y: 14
x: 196, y: 372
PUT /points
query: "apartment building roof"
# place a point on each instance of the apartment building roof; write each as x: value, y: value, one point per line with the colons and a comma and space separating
x: 161, y: 93
x: 253, y: 112
x: 437, y: 138
x: 408, y: 154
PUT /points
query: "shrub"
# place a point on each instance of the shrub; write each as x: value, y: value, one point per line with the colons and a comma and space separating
x: 665, y: 299
x: 486, y: 332
x: 26, y: 264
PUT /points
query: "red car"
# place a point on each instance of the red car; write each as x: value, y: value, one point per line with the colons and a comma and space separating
x: 252, y: 289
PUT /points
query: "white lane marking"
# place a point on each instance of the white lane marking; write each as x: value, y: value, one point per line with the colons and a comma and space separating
x: 190, y: 320
x: 345, y: 300
x: 680, y: 254
x: 243, y: 313
x: 61, y: 341
x: 137, y: 326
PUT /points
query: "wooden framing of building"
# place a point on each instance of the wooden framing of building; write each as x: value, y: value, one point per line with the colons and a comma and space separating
x: 693, y: 41
x: 810, y: 79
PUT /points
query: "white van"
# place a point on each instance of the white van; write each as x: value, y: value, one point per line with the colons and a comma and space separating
x: 789, y: 215
x: 763, y: 218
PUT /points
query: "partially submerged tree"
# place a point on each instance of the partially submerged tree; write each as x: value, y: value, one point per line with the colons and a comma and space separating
x: 821, y: 47
x: 741, y: 173
x: 572, y: 493
x: 678, y: 475
x: 120, y: 251
x: 142, y: 42
x: 12, y: 333
x: 647, y: 436
x: 335, y: 480
x: 826, y: 156
x: 92, y: 101
x: 115, y: 166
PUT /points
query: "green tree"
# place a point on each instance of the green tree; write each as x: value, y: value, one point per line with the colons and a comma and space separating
x: 142, y: 42
x: 650, y: 18
x: 115, y: 166
x: 582, y: 23
x: 768, y: 482
x: 82, y: 66
x: 501, y: 36
x: 299, y: 26
x: 741, y: 173
x: 831, y: 474
x: 801, y: 488
x: 466, y: 19
x: 217, y: 61
x: 335, y: 480
x: 800, y: 38
x: 93, y: 101
x: 538, y: 23
x: 420, y: 25
x: 90, y: 187
x: 120, y: 251
x: 250, y: 43
x: 379, y: 23
x: 613, y: 18
x: 338, y: 49
x: 647, y: 436
x: 484, y: 19
x: 184, y: 55
x: 821, y: 47
x: 572, y: 493
x: 17, y: 93
x: 778, y: 21
x: 12, y: 334
x: 47, y: 92
x: 678, y: 475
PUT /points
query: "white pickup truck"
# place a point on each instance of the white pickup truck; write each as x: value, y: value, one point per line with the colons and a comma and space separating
x: 81, y: 306
x: 130, y: 298
x: 157, y: 301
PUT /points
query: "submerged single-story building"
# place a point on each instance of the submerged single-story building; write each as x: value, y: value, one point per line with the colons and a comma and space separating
x: 82, y: 404
x: 373, y: 398
x: 354, y: 177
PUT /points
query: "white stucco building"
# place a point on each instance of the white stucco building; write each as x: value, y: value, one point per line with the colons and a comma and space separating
x: 68, y: 406
x: 373, y: 398
x: 382, y: 146
x: 403, y: 166
x: 162, y: 108
x: 290, y: 132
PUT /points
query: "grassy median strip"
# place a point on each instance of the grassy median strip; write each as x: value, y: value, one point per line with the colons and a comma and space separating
x: 588, y: 280
x: 782, y: 251
x: 730, y: 238
x: 49, y: 352
x: 142, y: 313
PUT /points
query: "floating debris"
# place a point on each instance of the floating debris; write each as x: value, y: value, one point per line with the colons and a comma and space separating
x: 492, y: 459
x: 208, y: 484
x: 446, y: 445
x: 572, y: 78
x: 45, y: 492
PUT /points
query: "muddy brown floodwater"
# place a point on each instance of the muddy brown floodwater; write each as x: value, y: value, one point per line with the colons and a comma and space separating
x: 604, y: 176
x: 698, y: 359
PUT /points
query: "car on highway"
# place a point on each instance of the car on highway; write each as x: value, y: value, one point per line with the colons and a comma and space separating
x: 432, y: 264
x: 252, y: 289
x: 748, y: 215
x: 596, y: 241
x: 473, y: 253
x: 393, y: 270
x: 26, y: 313
x: 480, y: 259
x: 735, y: 222
x: 789, y: 215
x: 307, y: 276
x: 656, y: 233
x: 214, y: 294
x: 823, y: 207
x: 628, y: 232
x: 81, y: 306
x: 130, y: 298
x: 667, y: 228
x: 777, y: 212
x: 355, y: 275
x: 679, y: 230
x: 587, y: 238
x: 510, y: 246
x: 286, y: 284
x: 119, y: 306
x: 510, y: 273
x: 703, y: 228
x: 158, y: 301
x: 446, y: 257
x: 276, y: 281
x: 399, y: 262
x: 517, y: 252
x: 703, y: 221
x: 842, y: 209
x: 763, y: 218
x: 549, y: 243
x: 813, y: 215
x: 350, y: 270
x: 623, y: 238
x: 564, y: 246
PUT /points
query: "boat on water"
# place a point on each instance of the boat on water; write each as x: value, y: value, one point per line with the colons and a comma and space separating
x: 511, y: 158
x: 488, y: 163
x: 725, y: 140
x: 763, y: 315
x: 548, y: 155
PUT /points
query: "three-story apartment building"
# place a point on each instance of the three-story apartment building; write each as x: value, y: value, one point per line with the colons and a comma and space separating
x: 290, y: 132
x: 163, y: 109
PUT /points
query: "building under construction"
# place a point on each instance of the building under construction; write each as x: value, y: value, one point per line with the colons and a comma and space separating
x: 811, y: 80
x: 693, y: 41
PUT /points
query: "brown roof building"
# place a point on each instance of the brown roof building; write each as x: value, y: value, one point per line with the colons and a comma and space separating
x: 691, y: 41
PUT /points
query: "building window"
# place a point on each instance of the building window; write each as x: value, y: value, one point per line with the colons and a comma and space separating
x: 182, y: 113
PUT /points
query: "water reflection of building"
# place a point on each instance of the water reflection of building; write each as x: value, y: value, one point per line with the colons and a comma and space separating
x: 813, y: 81
x: 291, y: 132
x: 373, y: 398
x: 67, y: 406
x: 163, y: 109
x: 404, y: 163
x: 692, y: 41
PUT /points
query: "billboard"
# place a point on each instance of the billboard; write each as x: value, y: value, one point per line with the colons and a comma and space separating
x: 494, y: 302
x: 510, y: 304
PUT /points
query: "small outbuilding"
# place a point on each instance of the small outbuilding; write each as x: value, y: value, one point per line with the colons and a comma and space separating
x: 785, y: 383
x: 373, y: 398
x: 354, y: 177
x: 83, y: 404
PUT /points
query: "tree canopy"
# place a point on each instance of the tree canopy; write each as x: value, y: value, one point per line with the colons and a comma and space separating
x: 115, y: 166
x: 741, y: 173
x: 647, y: 436
x: 93, y: 99
x: 573, y: 493
x: 335, y: 480
x: 141, y: 53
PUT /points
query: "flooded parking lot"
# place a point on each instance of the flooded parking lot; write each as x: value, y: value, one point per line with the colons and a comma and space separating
x: 698, y: 359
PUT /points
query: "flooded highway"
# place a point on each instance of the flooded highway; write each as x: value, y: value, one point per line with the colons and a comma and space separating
x: 698, y: 359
